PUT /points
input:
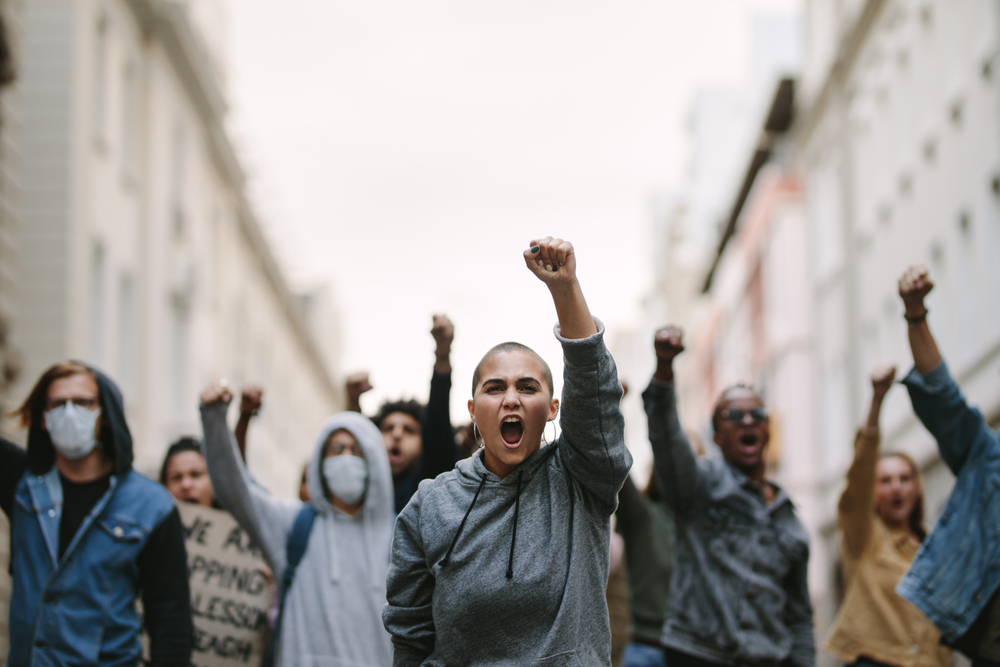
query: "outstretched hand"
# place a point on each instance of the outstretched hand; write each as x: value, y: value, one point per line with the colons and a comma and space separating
x: 551, y: 260
x: 217, y: 392
x: 914, y: 285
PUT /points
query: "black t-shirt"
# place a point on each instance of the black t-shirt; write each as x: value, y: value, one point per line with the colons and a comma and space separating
x: 78, y: 500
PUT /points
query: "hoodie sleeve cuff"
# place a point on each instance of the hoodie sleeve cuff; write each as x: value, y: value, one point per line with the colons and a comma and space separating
x: 579, y: 351
x: 931, y: 382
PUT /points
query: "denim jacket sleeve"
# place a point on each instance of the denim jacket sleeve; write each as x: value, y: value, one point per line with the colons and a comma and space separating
x: 674, y: 461
x: 960, y: 430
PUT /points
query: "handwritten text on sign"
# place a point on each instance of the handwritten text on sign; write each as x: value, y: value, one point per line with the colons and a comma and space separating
x: 230, y: 591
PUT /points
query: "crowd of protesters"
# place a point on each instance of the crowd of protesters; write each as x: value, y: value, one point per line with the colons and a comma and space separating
x: 416, y: 543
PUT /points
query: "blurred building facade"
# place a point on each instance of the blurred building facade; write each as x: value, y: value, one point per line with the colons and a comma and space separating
x: 890, y: 157
x: 134, y: 247
x: 898, y: 144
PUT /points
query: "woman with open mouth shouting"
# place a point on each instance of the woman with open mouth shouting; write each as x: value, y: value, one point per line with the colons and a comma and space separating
x: 880, y: 516
x: 474, y: 578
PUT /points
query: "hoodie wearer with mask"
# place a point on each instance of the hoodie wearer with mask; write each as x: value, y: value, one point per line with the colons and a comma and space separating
x: 504, y: 560
x: 89, y: 535
x: 331, y: 615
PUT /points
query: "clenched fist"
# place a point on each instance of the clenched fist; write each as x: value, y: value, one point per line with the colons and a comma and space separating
x: 551, y: 260
x: 914, y: 285
x: 882, y: 378
x: 668, y: 343
x: 217, y: 392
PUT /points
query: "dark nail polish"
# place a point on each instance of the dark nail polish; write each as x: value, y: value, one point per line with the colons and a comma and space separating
x: 534, y: 248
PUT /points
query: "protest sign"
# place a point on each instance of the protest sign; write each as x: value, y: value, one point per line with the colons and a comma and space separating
x: 230, y: 589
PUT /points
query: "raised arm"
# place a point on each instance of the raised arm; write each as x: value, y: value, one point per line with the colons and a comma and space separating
x: 13, y: 464
x: 854, y: 512
x: 960, y: 430
x: 251, y: 399
x: 407, y: 615
x: 266, y: 519
x: 439, y: 451
x: 673, y: 459
x: 592, y: 445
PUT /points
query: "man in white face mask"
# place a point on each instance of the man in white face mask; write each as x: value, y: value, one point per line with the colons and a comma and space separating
x: 333, y: 606
x: 90, y: 535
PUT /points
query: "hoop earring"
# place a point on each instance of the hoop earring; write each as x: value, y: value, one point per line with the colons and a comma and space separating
x: 554, y: 435
x: 477, y: 437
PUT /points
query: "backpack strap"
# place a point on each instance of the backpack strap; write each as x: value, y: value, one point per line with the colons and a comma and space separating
x: 295, y: 549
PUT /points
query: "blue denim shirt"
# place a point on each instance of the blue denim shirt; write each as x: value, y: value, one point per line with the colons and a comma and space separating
x: 957, y: 568
x: 739, y: 593
x: 80, y: 609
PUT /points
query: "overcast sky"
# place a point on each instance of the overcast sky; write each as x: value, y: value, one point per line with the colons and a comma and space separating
x: 407, y: 152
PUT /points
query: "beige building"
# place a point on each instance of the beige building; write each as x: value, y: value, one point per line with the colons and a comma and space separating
x: 137, y: 250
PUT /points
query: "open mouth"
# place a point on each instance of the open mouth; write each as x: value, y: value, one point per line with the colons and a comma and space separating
x: 394, y: 454
x: 511, y: 431
x: 749, y: 440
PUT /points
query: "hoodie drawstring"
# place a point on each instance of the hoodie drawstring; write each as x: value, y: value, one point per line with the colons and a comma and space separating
x: 444, y: 561
x: 513, y: 535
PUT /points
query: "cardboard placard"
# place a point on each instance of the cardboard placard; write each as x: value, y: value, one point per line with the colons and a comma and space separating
x: 230, y: 589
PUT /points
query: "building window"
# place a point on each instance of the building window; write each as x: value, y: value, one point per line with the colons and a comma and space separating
x: 130, y: 122
x: 177, y: 190
x: 97, y: 304
x: 126, y: 333
x: 100, y: 74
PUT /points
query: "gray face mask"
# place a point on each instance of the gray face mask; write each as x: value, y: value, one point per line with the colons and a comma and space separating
x: 71, y: 429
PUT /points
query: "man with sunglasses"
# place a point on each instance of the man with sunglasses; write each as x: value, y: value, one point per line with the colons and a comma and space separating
x: 739, y: 594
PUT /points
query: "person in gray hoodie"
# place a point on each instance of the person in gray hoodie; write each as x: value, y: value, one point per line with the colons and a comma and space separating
x: 476, y: 580
x: 331, y: 615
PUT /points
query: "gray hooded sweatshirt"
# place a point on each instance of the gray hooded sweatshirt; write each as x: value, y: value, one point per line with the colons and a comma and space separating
x: 332, y: 612
x: 513, y: 571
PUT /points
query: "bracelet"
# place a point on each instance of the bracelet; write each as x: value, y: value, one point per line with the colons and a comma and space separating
x: 916, y: 319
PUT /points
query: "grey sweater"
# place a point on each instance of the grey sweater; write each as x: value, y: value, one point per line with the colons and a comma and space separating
x: 551, y: 610
x: 332, y: 612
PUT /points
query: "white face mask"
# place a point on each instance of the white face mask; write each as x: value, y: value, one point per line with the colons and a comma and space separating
x: 71, y: 429
x: 346, y: 476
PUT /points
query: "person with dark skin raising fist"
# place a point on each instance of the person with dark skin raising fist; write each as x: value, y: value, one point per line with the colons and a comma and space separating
x: 739, y: 594
x: 954, y: 578
x: 419, y: 440
x: 504, y: 560
x: 874, y: 625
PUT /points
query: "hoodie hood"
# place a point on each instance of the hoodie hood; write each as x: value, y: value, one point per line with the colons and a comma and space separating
x: 378, y: 511
x: 378, y: 497
x: 115, y: 438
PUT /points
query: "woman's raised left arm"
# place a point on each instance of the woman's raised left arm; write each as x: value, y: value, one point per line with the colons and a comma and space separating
x: 593, y: 429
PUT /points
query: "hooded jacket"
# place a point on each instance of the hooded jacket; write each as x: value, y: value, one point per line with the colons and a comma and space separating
x: 513, y: 571
x: 78, y: 607
x: 332, y: 612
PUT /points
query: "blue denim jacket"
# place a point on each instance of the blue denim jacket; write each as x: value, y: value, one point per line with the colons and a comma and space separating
x: 957, y: 568
x: 80, y: 609
x: 739, y: 593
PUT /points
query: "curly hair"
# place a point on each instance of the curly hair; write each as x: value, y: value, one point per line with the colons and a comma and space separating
x: 409, y: 407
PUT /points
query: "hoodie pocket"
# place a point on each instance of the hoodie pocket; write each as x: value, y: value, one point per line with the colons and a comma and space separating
x: 564, y: 659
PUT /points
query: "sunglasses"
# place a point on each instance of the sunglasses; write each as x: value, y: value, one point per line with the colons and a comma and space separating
x: 736, y: 416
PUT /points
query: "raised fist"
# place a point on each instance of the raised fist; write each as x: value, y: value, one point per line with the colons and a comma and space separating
x: 251, y: 399
x: 551, y: 260
x: 914, y: 285
x: 882, y: 378
x: 357, y: 384
x: 668, y: 343
x: 217, y: 392
x: 444, y: 333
